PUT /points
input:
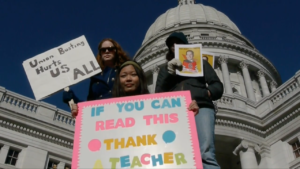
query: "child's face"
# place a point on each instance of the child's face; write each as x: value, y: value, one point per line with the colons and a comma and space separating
x: 189, y: 55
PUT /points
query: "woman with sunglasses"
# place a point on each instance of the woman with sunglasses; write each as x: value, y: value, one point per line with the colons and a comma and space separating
x: 110, y: 56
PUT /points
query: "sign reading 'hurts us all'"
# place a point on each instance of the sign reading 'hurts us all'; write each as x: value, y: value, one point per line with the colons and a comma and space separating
x: 61, y: 67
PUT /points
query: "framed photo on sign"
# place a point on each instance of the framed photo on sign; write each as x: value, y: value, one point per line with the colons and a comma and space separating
x: 191, y: 58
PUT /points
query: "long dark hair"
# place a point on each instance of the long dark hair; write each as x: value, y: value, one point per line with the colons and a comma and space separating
x: 143, y: 88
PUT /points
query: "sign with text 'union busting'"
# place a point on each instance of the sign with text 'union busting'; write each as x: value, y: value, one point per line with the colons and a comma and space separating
x: 145, y: 131
x: 61, y: 67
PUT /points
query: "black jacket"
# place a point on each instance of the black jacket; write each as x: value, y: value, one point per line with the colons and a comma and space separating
x: 196, y: 85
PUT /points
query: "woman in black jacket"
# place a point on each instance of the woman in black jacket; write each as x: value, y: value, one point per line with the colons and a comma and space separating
x: 203, y: 91
x: 110, y: 56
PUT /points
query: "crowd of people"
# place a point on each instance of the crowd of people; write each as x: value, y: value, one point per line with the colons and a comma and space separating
x: 122, y: 77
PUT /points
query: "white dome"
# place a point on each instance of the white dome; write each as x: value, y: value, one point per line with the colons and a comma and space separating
x: 184, y: 14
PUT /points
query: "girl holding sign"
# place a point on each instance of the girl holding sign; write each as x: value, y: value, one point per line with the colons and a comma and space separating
x: 202, y: 96
x: 130, y: 81
x: 110, y: 56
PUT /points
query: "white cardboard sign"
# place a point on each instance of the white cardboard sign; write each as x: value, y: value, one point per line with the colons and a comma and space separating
x: 60, y: 67
x: 144, y: 131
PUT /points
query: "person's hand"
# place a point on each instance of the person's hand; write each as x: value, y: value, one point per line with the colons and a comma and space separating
x: 194, y: 107
x: 74, y: 110
x: 68, y: 96
x: 174, y: 64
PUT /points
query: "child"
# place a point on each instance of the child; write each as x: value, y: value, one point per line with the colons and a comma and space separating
x: 190, y: 65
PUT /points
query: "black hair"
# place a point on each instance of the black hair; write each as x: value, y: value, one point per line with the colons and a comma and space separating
x: 143, y: 88
x: 170, y: 55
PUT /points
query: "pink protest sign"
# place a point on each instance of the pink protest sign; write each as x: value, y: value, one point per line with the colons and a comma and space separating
x: 145, y: 131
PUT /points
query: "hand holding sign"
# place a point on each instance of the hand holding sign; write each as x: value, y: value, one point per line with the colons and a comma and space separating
x: 60, y: 67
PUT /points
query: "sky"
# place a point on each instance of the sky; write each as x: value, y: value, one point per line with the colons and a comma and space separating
x: 28, y: 28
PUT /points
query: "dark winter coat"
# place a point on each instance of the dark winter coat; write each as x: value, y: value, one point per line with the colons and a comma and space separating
x: 100, y: 86
x: 196, y: 85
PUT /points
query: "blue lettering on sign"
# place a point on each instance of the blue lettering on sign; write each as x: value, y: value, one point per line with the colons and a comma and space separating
x: 124, y: 160
x: 155, y: 104
x: 96, y: 111
x: 176, y: 102
x: 120, y: 106
x: 128, y: 107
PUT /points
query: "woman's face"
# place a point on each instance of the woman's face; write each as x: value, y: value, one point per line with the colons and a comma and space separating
x: 108, y: 51
x: 129, y: 80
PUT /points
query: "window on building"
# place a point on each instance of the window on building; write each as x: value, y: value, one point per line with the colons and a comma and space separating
x: 204, y: 34
x: 296, y: 148
x: 52, y: 164
x: 12, y: 157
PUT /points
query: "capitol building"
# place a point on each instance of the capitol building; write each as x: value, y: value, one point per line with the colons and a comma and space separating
x: 257, y: 124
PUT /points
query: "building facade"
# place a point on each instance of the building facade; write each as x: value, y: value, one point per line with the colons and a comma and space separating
x: 257, y: 125
x: 33, y: 135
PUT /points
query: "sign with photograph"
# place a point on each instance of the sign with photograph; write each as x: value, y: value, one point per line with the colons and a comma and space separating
x: 209, y: 57
x: 61, y: 67
x: 144, y: 131
x: 191, y: 58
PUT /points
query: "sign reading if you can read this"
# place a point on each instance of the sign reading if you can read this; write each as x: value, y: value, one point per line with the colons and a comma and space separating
x: 144, y: 131
x: 61, y: 67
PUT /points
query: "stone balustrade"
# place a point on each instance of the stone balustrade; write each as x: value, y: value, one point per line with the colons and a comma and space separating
x: 19, y: 102
x: 286, y: 91
x: 36, y: 109
x: 202, y: 38
x: 64, y: 118
x: 290, y: 88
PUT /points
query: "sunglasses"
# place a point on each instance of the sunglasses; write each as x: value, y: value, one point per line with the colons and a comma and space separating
x: 109, y: 49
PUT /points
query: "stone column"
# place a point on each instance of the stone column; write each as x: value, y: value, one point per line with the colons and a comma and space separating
x: 263, y: 83
x: 3, y: 154
x: 242, y: 83
x: 265, y: 160
x: 247, y: 79
x: 273, y: 86
x: 246, y: 151
x: 226, y: 77
x: 155, y: 71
